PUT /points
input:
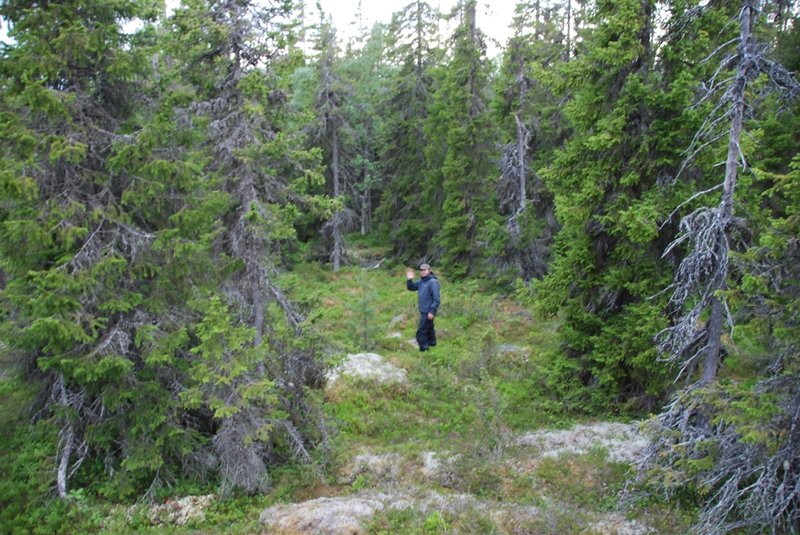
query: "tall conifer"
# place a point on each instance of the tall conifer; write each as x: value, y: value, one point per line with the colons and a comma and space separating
x: 735, y: 442
x: 146, y: 201
x: 460, y: 118
x: 239, y: 46
x: 607, y: 263
x: 365, y: 71
x: 79, y: 239
x: 532, y: 126
x: 409, y: 208
x: 334, y: 134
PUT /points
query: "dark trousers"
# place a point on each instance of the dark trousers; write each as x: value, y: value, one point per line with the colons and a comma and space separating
x: 426, y: 335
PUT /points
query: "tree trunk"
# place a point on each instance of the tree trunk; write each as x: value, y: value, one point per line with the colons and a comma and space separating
x: 258, y: 313
x: 569, y: 29
x: 420, y: 27
x: 365, y: 203
x: 737, y: 112
x: 336, y: 255
x: 522, y: 139
x: 63, y: 463
x: 715, y: 321
x: 335, y: 159
x: 66, y: 450
x: 717, y: 314
x: 366, y: 212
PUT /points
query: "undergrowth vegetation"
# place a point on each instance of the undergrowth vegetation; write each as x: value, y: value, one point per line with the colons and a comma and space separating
x: 484, y: 384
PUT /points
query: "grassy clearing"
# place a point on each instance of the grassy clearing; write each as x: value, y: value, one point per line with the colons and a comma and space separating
x: 481, y: 385
x: 485, y: 371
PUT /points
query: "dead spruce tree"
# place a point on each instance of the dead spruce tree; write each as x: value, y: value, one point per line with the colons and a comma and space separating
x: 523, y: 97
x: 736, y: 445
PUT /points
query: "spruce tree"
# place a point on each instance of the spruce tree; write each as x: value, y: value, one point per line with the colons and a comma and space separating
x: 148, y: 191
x: 459, y: 117
x: 409, y: 206
x: 734, y: 441
x: 365, y: 71
x: 256, y: 391
x: 334, y: 134
x: 80, y: 242
x: 607, y: 264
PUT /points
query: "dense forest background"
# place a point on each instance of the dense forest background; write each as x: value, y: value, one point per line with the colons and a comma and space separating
x: 627, y: 167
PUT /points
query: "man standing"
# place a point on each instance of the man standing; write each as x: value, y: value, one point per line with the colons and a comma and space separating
x: 428, y: 299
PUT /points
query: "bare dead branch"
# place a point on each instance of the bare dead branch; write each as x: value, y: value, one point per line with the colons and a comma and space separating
x: 675, y: 211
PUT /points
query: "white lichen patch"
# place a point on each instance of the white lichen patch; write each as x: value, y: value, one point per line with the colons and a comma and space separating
x: 180, y: 511
x: 617, y: 524
x: 370, y: 366
x: 379, y: 467
x: 623, y: 441
x: 352, y: 514
x: 438, y: 468
x: 506, y: 349
x: 323, y: 516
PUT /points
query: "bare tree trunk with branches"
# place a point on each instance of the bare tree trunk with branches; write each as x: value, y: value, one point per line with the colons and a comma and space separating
x: 712, y: 358
x: 523, y: 134
x: 366, y: 209
x: 750, y: 478
x: 704, y: 270
x: 67, y: 443
x: 336, y: 254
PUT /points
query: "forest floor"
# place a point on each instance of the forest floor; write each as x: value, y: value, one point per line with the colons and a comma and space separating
x: 460, y: 439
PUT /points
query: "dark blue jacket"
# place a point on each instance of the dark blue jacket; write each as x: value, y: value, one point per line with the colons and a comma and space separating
x: 428, y: 288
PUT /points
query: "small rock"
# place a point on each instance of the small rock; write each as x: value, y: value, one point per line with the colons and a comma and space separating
x: 430, y: 464
x: 617, y: 524
x: 439, y: 468
x: 451, y: 503
x: 382, y: 467
x: 400, y: 318
x: 505, y: 349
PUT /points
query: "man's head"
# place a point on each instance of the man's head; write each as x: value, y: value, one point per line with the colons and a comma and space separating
x: 424, y: 269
